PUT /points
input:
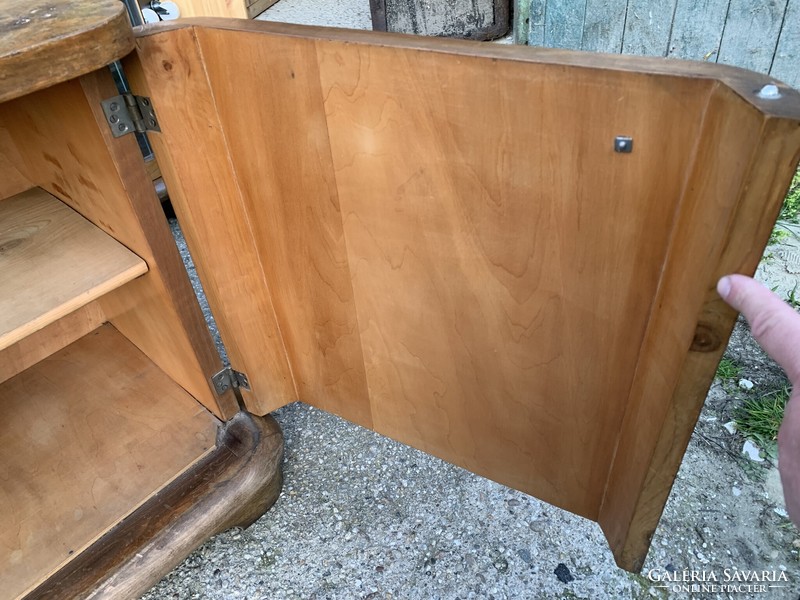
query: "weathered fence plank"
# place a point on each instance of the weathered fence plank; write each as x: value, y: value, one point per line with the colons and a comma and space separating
x: 450, y: 18
x: 751, y: 33
x: 786, y: 64
x: 536, y: 22
x: 604, y: 25
x: 563, y: 24
x: 761, y: 35
x: 647, y: 27
x: 697, y: 29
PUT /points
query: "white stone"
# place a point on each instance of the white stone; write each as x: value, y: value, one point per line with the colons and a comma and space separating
x: 746, y: 384
x: 752, y: 451
x: 730, y: 426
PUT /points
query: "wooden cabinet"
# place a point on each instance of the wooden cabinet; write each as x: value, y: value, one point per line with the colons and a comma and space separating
x: 238, y: 9
x: 503, y: 256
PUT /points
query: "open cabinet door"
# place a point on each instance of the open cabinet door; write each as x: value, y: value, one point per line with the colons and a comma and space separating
x: 445, y: 242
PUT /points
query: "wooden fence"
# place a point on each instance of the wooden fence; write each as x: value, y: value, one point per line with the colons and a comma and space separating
x: 762, y: 35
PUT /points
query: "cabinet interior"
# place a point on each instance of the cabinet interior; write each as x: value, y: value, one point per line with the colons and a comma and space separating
x: 53, y: 262
x: 88, y: 435
x: 104, y: 354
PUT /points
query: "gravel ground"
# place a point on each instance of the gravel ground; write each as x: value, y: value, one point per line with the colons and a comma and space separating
x: 363, y: 516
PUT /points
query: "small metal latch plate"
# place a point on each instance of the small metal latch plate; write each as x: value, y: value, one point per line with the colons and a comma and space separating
x: 127, y: 113
x: 229, y: 379
x: 623, y: 144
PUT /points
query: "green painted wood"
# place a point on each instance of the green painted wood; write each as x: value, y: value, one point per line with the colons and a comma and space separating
x: 697, y: 29
x: 521, y: 24
x: 786, y: 63
x: 751, y: 33
x: 604, y: 25
x: 536, y: 22
x: 648, y: 25
x: 761, y: 35
x: 563, y: 24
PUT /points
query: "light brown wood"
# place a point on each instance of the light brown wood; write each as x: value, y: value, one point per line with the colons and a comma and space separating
x: 231, y: 486
x: 741, y: 81
x: 237, y: 9
x: 415, y: 254
x: 44, y: 42
x: 207, y: 199
x: 63, y: 145
x: 732, y: 198
x: 88, y: 435
x: 152, y: 168
x: 11, y: 180
x: 510, y: 275
x: 37, y: 346
x: 52, y: 262
x: 290, y: 198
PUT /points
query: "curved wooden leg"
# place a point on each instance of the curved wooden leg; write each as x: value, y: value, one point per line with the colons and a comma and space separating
x: 232, y: 486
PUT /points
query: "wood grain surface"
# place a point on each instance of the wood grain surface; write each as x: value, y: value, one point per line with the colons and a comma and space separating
x: 729, y: 207
x: 88, y: 435
x: 52, y: 262
x: 237, y: 9
x: 231, y: 486
x: 50, y: 339
x: 44, y: 42
x: 61, y: 143
x: 207, y: 198
x: 603, y: 26
x: 461, y: 207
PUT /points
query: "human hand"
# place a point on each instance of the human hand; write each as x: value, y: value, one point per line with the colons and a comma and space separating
x: 776, y: 327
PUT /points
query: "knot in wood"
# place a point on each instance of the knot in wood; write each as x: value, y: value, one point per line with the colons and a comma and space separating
x: 705, y: 339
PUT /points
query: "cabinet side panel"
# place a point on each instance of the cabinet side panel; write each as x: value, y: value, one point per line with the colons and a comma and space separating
x: 11, y: 180
x: 195, y: 159
x: 271, y: 110
x: 740, y: 175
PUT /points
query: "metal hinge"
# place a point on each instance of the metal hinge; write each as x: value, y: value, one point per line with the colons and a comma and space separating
x: 227, y: 379
x: 127, y: 113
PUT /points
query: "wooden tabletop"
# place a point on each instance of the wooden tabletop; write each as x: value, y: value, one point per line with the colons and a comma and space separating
x: 44, y: 42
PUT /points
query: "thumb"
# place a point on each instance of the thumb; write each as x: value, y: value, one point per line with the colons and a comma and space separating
x: 773, y: 323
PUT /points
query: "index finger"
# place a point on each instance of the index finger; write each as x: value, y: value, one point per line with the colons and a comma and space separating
x: 773, y: 322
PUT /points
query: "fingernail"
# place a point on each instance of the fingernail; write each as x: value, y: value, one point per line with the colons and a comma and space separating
x: 724, y: 287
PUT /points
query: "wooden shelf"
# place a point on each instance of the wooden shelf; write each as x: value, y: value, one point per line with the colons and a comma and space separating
x: 88, y: 435
x: 52, y: 262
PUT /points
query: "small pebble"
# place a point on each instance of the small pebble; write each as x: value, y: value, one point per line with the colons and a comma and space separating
x: 746, y: 384
x: 563, y: 574
x: 752, y: 451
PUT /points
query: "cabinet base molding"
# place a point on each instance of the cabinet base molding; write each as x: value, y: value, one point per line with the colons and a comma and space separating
x: 232, y: 486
